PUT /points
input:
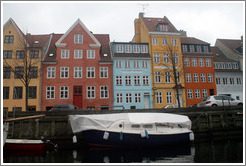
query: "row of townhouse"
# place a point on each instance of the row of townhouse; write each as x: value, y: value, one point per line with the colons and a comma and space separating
x: 89, y: 71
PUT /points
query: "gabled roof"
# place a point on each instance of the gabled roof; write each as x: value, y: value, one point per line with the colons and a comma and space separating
x: 60, y: 44
x: 105, y: 47
x: 232, y: 44
x: 151, y: 24
x: 37, y: 40
x: 219, y: 56
x: 192, y: 40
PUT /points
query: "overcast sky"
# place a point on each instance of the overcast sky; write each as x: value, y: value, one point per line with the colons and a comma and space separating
x: 206, y: 21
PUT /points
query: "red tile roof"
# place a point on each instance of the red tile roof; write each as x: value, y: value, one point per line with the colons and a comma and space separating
x: 192, y: 40
x: 105, y: 47
x: 232, y: 44
x: 219, y: 56
x: 37, y: 41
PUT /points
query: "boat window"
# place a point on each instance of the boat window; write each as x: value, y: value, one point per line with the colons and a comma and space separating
x: 148, y: 126
x: 135, y: 126
x: 161, y: 125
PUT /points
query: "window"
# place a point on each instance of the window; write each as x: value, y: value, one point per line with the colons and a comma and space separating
x: 136, y: 64
x: 154, y: 41
x: 184, y: 48
x: 163, y: 28
x: 20, y: 54
x: 119, y: 48
x: 144, y: 49
x: 194, y: 61
x: 224, y: 80
x: 235, y: 65
x: 203, y: 77
x: 208, y: 62
x: 64, y: 92
x: 9, y: 39
x: 64, y: 72
x: 77, y: 72
x: 136, y: 49
x: 188, y: 77
x: 34, y: 54
x: 128, y: 98
x: 119, y: 98
x: 145, y: 80
x: 127, y: 64
x: 201, y: 62
x: 192, y: 48
x: 19, y: 72
x: 104, y: 92
x: 210, y: 77
x: 128, y: 80
x: 187, y: 61
x: 51, y: 71
x: 144, y: 64
x: 239, y: 81
x: 137, y: 98
x: 167, y: 77
x: 50, y: 92
x: 103, y: 72
x: 118, y: 64
x: 178, y: 76
x: 90, y: 72
x: 118, y: 80
x: 90, y: 54
x: 5, y: 92
x: 205, y: 49
x: 156, y: 58
x: 228, y: 65
x: 78, y: 54
x: 176, y: 58
x: 197, y: 93
x: 32, y: 92
x: 174, y: 42
x: 217, y: 81
x: 164, y: 41
x: 33, y: 72
x: 6, y: 72
x: 195, y: 77
x: 65, y: 54
x: 17, y: 92
x: 166, y: 58
x: 128, y: 48
x: 158, y: 97
x: 90, y: 92
x: 216, y: 65
x: 136, y: 80
x: 204, y: 93
x: 7, y: 54
x: 169, y: 97
x: 157, y: 77
x: 78, y: 38
x: 199, y: 48
x: 189, y: 93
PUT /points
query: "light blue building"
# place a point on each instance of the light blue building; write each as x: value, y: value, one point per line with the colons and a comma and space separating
x: 131, y: 75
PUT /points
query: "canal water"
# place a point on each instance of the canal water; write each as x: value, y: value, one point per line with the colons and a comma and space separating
x: 226, y: 151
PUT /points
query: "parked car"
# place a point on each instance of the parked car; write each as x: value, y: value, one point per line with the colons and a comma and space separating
x: 219, y: 100
x: 171, y: 106
x: 64, y: 107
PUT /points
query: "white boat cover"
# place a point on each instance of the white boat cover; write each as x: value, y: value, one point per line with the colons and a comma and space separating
x: 105, y: 121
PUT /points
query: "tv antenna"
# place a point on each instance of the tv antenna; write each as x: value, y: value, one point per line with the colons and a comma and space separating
x: 143, y: 6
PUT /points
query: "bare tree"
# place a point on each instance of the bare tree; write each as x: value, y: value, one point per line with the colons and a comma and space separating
x: 172, y: 66
x: 24, y: 65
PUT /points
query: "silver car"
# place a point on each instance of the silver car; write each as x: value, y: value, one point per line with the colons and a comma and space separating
x: 220, y: 100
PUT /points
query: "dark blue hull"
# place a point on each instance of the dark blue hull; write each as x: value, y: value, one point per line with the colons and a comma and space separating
x: 125, y: 140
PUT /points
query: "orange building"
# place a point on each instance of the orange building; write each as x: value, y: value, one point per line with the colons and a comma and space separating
x: 198, y: 70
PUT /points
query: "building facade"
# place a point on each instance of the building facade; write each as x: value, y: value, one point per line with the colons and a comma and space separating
x: 131, y: 76
x: 166, y: 59
x: 228, y: 76
x: 81, y: 71
x: 22, y: 68
x: 198, y: 70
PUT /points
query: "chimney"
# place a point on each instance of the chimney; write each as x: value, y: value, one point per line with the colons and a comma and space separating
x: 183, y: 33
x: 141, y: 15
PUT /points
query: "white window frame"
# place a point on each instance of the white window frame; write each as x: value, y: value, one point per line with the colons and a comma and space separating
x: 128, y: 98
x: 195, y: 77
x: 78, y: 54
x: 156, y: 58
x: 174, y: 42
x: 203, y: 77
x: 197, y: 94
x: 145, y: 80
x: 201, y: 62
x: 192, y: 48
x: 64, y: 71
x: 50, y: 92
x: 128, y: 80
x: 137, y: 97
x: 210, y: 77
x: 164, y: 41
x: 159, y: 99
x: 167, y: 77
x: 119, y: 48
x: 208, y: 62
x: 144, y: 64
x: 189, y: 93
x: 65, y: 54
x: 118, y: 80
x: 136, y: 64
x: 128, y: 48
x: 184, y: 48
x: 137, y: 80
x: 166, y: 58
x: 187, y: 61
x: 127, y: 64
x: 103, y: 72
x: 205, y: 49
x: 118, y: 64
x: 155, y: 41
x: 157, y: 77
x: 104, y: 92
x: 51, y: 72
x: 119, y: 98
x: 90, y: 92
x: 199, y: 48
x: 64, y: 92
x: 204, y: 93
x: 78, y: 38
x: 144, y: 49
x: 194, y: 62
x: 136, y: 48
x: 169, y: 97
x: 90, y: 72
x: 78, y: 72
x: 91, y: 54
x: 188, y: 77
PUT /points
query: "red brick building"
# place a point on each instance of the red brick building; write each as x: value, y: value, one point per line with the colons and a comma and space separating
x: 198, y: 70
x: 77, y: 69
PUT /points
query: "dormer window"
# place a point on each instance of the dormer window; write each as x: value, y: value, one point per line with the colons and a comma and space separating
x: 162, y: 27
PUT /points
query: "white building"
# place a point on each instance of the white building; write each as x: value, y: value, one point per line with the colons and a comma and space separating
x: 229, y: 77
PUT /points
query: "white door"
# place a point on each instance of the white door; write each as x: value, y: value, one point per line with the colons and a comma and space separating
x: 146, y: 101
x: 180, y: 98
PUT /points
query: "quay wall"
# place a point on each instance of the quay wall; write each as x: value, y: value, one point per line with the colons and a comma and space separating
x: 207, y: 123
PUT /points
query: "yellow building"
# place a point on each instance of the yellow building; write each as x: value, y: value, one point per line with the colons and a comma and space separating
x: 166, y: 58
x: 21, y: 57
